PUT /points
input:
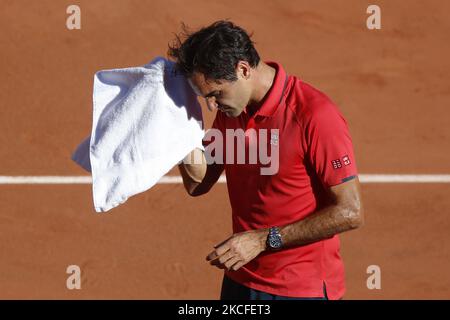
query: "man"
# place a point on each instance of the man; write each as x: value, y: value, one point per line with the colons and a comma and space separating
x: 285, y: 225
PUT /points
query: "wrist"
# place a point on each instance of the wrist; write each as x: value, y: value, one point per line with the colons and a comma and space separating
x: 274, y: 240
x: 263, y: 239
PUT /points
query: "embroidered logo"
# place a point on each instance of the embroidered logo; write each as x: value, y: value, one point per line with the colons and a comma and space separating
x: 346, y: 160
x: 336, y: 164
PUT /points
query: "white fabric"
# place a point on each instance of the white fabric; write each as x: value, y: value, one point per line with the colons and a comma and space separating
x: 145, y: 121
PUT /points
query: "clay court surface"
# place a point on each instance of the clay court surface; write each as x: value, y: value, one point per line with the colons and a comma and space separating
x: 392, y: 85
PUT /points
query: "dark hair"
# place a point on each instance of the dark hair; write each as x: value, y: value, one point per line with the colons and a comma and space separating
x: 214, y: 51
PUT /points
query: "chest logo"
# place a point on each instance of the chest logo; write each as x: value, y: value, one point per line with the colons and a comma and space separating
x: 274, y: 139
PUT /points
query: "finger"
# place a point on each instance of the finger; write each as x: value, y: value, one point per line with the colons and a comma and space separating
x: 231, y: 262
x: 212, y: 255
x: 221, y: 248
x: 222, y: 259
x: 220, y: 266
x: 222, y: 243
x: 217, y: 253
x: 212, y: 105
x: 237, y: 266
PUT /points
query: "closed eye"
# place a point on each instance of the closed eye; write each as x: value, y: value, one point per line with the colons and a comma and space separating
x: 215, y: 94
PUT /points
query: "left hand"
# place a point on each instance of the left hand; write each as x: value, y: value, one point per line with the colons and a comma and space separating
x: 238, y: 250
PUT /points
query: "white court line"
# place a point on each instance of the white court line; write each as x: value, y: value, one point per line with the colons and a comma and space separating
x: 364, y: 178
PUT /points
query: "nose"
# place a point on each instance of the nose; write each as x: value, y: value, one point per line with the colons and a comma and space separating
x: 211, y: 103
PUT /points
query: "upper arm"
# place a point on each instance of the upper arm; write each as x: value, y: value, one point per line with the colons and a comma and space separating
x: 329, y: 144
x: 330, y: 151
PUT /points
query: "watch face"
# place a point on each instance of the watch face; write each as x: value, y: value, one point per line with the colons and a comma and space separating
x: 275, y: 242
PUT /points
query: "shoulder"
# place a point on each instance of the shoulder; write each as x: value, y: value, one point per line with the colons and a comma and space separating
x: 309, y: 103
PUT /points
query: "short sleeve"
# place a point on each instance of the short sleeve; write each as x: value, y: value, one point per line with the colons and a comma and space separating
x: 329, y: 144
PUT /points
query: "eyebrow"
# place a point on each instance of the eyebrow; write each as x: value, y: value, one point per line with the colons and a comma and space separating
x: 212, y: 93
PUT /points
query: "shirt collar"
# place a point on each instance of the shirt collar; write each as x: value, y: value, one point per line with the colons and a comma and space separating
x: 275, y: 93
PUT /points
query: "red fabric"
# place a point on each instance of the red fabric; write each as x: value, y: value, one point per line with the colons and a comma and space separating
x: 315, y: 152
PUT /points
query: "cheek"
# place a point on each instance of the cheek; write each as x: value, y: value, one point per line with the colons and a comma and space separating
x: 244, y: 97
x: 238, y: 99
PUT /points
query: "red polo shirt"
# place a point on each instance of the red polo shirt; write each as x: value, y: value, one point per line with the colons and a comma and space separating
x: 315, y: 152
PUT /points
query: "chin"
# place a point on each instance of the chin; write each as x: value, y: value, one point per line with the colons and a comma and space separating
x: 232, y: 113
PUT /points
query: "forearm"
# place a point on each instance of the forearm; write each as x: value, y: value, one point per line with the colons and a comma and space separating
x: 323, y: 224
x: 344, y: 213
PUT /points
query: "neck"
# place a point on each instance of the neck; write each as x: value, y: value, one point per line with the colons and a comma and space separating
x: 263, y: 80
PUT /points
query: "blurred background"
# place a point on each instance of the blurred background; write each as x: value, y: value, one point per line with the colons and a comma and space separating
x: 392, y: 85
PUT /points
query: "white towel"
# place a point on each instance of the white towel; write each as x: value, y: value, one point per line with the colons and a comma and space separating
x: 145, y: 121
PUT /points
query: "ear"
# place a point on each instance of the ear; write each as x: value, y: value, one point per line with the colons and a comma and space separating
x: 243, y: 69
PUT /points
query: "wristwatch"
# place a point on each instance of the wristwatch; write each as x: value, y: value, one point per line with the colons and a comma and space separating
x: 274, y: 241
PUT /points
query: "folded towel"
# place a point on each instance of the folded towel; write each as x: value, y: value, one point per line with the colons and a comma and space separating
x: 145, y: 120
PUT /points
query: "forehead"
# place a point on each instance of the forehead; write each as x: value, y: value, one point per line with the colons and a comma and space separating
x: 203, y: 86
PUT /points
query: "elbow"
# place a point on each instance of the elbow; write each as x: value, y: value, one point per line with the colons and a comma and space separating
x: 191, y: 190
x: 357, y: 221
x: 194, y: 193
x: 356, y: 217
x: 353, y: 215
x: 194, y: 190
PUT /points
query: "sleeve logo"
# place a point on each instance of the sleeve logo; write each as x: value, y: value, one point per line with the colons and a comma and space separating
x: 346, y: 160
x: 336, y: 164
